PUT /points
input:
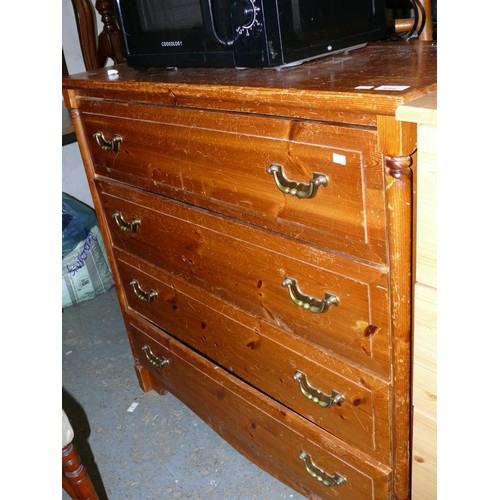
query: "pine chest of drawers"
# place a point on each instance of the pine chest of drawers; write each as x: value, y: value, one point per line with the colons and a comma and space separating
x: 259, y: 228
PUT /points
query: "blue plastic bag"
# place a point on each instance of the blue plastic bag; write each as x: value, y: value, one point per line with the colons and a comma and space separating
x: 85, y: 266
x: 77, y: 220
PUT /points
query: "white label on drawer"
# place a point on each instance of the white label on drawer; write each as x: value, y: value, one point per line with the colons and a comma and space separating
x: 341, y: 159
x: 363, y: 87
x: 398, y: 88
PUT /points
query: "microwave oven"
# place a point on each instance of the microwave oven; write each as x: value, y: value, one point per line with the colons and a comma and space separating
x: 244, y: 33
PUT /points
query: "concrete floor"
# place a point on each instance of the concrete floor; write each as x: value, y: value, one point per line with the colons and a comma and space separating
x: 161, y: 450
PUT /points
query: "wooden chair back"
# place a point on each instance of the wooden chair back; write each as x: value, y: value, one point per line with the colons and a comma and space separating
x: 96, y: 47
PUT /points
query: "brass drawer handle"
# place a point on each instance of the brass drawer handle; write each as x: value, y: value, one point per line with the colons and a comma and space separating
x: 154, y: 360
x: 299, y: 189
x: 324, y: 478
x: 112, y: 146
x: 128, y: 227
x: 311, y: 304
x: 316, y: 396
x: 142, y: 294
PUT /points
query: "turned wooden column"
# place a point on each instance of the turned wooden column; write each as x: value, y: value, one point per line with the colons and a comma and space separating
x: 75, y: 475
x: 97, y: 49
x: 110, y: 43
x: 399, y: 216
x: 397, y: 141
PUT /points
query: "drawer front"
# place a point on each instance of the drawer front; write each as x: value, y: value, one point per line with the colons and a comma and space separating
x: 350, y: 404
x: 269, y: 434
x: 248, y: 268
x: 220, y: 162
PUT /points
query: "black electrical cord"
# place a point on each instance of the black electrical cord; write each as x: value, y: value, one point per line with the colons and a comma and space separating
x: 419, y: 12
x: 410, y: 34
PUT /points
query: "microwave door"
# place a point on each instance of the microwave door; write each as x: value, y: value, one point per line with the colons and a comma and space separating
x: 211, y: 15
x: 318, y: 27
x: 169, y: 15
x: 176, y: 32
x: 209, y: 21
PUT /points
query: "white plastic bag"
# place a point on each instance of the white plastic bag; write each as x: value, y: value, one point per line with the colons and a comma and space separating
x: 85, y: 270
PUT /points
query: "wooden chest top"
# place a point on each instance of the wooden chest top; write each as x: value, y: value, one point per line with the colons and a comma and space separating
x: 372, y: 80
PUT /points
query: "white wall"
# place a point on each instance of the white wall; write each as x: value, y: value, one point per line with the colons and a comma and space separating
x: 74, y: 181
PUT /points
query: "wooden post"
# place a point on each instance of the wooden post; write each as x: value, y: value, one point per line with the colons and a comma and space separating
x: 76, y: 481
x: 110, y: 42
x: 398, y: 141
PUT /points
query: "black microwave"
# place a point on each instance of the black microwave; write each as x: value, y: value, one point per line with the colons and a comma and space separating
x: 244, y: 33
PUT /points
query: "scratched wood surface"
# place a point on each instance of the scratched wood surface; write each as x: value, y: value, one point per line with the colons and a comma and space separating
x: 264, y: 355
x: 423, y: 112
x: 217, y: 239
x: 347, y: 88
x: 220, y: 161
x: 246, y: 268
x: 261, y: 428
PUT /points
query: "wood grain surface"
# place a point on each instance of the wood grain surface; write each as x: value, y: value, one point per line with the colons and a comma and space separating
x: 217, y: 241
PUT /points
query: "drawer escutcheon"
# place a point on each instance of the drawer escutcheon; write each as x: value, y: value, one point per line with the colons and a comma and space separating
x: 311, y: 304
x: 321, y: 399
x: 299, y: 189
x: 324, y: 478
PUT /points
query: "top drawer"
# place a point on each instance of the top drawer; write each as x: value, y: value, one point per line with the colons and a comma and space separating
x: 223, y: 162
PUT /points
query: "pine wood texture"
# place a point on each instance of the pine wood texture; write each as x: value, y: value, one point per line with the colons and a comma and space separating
x: 202, y: 273
x: 427, y: 204
x: 217, y: 254
x: 342, y: 89
x: 265, y: 356
x: 399, y: 221
x: 220, y: 162
x: 423, y: 111
x: 262, y: 429
x: 425, y: 350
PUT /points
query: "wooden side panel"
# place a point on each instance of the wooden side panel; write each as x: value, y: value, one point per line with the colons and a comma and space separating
x: 427, y: 205
x: 423, y: 112
x: 425, y: 351
x: 424, y: 463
